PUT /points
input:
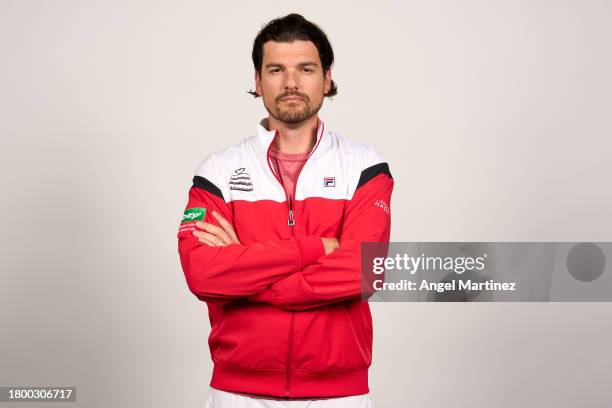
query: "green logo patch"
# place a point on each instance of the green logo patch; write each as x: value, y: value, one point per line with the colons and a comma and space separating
x: 193, y: 214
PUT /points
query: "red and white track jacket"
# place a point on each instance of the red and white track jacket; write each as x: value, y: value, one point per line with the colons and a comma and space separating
x: 286, y: 319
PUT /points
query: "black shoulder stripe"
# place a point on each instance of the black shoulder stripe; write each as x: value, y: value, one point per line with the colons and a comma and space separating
x: 373, y: 171
x: 205, y: 184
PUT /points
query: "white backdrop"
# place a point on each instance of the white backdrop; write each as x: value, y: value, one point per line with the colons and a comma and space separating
x: 493, y: 115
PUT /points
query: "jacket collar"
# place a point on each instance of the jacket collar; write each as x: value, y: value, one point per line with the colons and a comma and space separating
x: 265, y: 137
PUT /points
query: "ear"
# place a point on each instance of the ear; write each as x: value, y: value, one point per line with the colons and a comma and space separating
x: 327, y: 80
x: 258, y: 83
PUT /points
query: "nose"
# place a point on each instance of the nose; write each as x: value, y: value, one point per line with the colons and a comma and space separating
x: 291, y: 83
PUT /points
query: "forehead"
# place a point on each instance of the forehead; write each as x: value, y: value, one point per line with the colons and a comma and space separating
x: 290, y: 52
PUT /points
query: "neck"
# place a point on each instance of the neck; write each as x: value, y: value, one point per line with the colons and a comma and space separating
x: 295, y: 137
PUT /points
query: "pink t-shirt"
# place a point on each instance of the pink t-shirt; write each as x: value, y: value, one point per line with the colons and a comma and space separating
x: 288, y: 166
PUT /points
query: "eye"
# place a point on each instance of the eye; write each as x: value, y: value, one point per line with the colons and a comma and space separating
x: 273, y: 70
x: 308, y: 69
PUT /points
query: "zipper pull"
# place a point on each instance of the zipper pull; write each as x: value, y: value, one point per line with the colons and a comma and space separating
x: 291, y: 221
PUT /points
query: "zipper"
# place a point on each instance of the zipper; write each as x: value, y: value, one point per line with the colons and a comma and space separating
x: 291, y: 214
x: 290, y: 224
x: 291, y: 220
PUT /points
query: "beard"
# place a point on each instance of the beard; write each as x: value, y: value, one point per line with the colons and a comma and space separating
x: 293, y: 112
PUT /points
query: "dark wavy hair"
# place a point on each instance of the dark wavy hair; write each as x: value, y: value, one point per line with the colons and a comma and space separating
x: 290, y: 28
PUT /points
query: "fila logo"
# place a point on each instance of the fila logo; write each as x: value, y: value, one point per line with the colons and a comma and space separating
x: 241, y: 180
x: 329, y: 181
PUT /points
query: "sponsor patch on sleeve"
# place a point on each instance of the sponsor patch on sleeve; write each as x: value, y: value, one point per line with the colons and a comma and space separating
x: 190, y: 217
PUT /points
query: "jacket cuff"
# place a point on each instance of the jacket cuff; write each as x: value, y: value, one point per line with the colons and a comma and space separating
x: 311, y: 249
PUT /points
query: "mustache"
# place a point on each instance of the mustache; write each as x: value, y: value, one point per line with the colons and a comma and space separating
x: 304, y: 97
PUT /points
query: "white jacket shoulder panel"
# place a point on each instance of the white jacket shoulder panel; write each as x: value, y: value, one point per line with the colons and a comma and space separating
x: 242, y: 171
x: 241, y: 174
x: 335, y: 173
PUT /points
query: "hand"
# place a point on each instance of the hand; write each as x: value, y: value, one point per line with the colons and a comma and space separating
x: 330, y: 244
x: 216, y: 236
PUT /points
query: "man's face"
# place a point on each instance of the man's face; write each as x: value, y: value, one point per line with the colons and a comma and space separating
x: 291, y: 82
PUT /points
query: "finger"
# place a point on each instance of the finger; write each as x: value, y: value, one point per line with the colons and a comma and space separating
x: 216, y: 231
x: 209, y: 243
x: 208, y: 238
x: 227, y: 226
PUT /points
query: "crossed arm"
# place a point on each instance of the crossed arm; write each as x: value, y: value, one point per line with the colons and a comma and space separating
x: 224, y: 234
x: 299, y: 274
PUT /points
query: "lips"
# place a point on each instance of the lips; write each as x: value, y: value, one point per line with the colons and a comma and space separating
x: 292, y: 98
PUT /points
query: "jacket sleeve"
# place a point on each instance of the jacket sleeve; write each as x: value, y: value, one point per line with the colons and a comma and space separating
x: 338, y: 276
x: 227, y: 273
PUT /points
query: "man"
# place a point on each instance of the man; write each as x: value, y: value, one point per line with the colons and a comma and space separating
x: 271, y: 239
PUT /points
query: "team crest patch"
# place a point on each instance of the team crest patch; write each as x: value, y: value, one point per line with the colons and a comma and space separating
x: 190, y: 217
x: 240, y: 180
x: 329, y: 181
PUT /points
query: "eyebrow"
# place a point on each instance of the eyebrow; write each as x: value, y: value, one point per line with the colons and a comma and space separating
x: 303, y: 64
